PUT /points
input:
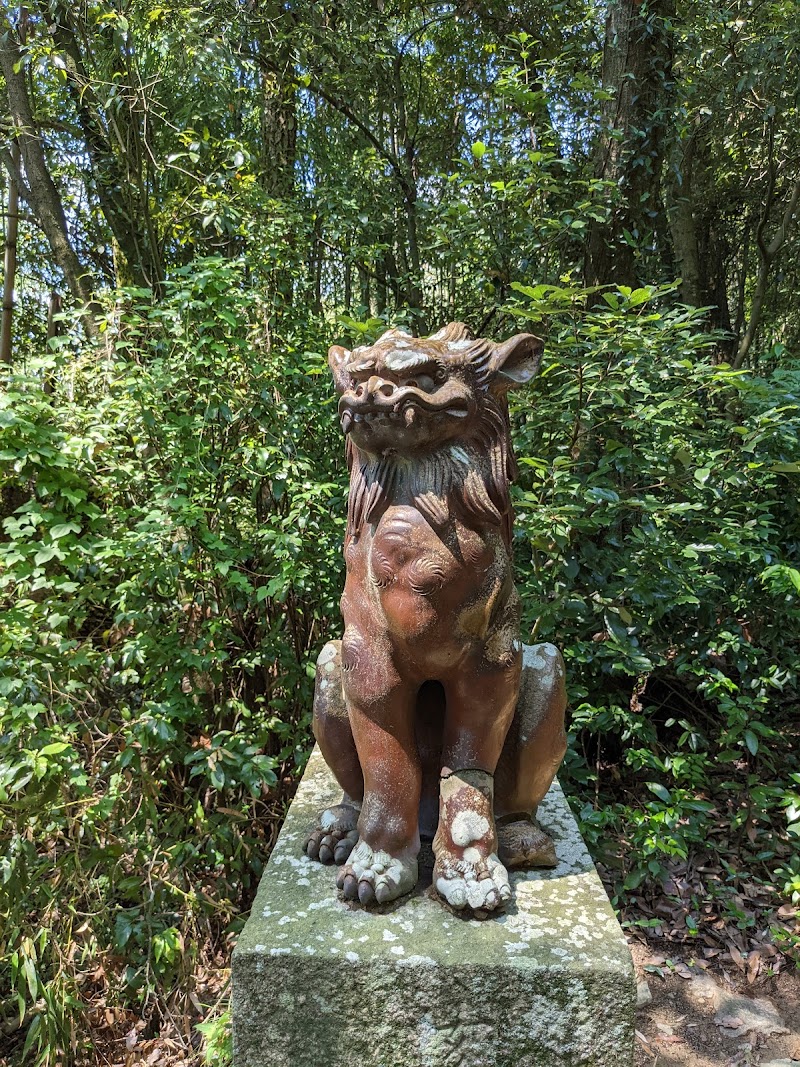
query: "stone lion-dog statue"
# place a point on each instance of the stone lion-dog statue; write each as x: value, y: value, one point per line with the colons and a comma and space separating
x: 434, y: 718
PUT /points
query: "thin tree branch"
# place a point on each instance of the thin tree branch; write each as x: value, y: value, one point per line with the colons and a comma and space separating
x: 768, y: 253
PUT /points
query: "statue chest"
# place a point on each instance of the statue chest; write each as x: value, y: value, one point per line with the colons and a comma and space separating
x: 404, y: 554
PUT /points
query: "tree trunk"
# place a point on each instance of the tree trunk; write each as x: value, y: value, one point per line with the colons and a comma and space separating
x: 278, y: 125
x: 637, y: 60
x: 10, y: 260
x: 53, y: 330
x: 118, y: 171
x: 768, y: 253
x: 408, y: 184
x: 38, y: 189
x: 682, y: 221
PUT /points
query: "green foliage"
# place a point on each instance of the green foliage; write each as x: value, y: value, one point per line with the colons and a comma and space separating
x: 218, y: 1050
x: 659, y: 524
x: 170, y: 564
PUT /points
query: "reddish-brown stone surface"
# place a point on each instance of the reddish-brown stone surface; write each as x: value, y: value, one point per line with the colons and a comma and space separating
x: 419, y: 709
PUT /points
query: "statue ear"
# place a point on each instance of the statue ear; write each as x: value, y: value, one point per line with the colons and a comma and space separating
x: 338, y: 358
x: 516, y: 361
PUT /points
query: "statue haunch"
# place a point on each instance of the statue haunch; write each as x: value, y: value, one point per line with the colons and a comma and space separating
x: 433, y: 718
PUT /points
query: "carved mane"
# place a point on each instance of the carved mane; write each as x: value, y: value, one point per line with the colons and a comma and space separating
x: 466, y: 479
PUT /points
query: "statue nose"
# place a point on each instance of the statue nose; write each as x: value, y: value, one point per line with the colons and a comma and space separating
x: 379, y: 385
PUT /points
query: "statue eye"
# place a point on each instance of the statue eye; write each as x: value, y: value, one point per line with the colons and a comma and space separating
x: 423, y: 382
x: 439, y: 375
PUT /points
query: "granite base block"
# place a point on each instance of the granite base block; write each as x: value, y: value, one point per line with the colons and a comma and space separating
x: 320, y: 982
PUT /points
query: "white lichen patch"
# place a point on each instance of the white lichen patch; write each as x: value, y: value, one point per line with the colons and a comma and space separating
x: 327, y: 902
x: 327, y: 820
x: 468, y: 826
x: 327, y: 654
x: 513, y: 947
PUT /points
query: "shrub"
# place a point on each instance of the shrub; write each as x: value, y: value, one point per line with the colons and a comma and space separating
x: 657, y: 524
x: 170, y: 561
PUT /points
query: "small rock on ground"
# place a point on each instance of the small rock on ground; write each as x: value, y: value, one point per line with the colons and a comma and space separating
x: 643, y: 994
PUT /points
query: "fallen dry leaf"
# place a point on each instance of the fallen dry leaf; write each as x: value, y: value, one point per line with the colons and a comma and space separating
x: 643, y: 1040
x: 731, y: 1022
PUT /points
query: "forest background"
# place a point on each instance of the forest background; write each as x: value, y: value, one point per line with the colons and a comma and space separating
x: 198, y: 200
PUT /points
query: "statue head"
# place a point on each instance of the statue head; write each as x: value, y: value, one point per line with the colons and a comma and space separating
x: 406, y: 395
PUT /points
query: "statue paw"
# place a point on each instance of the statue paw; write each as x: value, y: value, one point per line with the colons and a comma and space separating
x: 332, y: 838
x: 525, y: 844
x: 467, y: 872
x: 376, y: 877
x: 478, y: 882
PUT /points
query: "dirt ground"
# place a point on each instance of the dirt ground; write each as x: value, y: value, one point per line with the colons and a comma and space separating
x: 699, y: 1018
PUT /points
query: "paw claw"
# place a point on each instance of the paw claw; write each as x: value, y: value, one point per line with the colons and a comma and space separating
x: 383, y: 892
x: 366, y: 894
x: 349, y: 886
x: 311, y: 848
x: 345, y: 847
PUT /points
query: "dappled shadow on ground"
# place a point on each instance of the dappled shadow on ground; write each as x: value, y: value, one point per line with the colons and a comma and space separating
x: 702, y: 1019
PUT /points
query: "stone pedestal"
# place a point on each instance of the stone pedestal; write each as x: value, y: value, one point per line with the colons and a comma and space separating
x: 318, y: 982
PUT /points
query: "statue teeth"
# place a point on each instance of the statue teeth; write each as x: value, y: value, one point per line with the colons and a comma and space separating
x: 346, y: 421
x: 409, y: 416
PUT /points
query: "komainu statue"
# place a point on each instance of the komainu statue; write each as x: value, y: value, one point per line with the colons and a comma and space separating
x: 436, y: 721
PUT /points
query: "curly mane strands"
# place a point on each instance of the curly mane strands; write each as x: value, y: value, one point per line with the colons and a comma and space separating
x: 468, y: 479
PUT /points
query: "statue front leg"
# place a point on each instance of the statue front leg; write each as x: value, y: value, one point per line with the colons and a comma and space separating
x: 480, y: 706
x: 382, y: 707
x: 334, y: 832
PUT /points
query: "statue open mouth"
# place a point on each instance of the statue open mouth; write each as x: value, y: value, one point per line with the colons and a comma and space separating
x: 401, y: 407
